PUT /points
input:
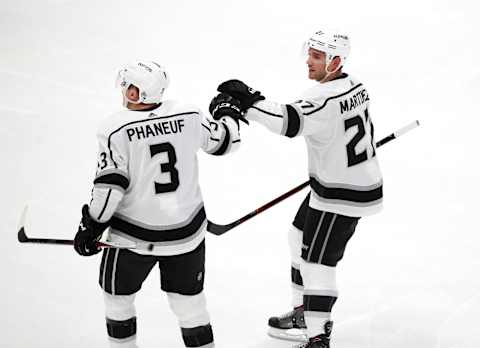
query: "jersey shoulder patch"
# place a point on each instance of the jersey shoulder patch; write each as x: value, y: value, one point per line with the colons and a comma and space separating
x: 306, y: 105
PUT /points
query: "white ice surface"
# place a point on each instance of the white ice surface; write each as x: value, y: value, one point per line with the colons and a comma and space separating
x: 410, y: 274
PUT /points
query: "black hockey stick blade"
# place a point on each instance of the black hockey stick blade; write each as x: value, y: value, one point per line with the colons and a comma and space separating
x: 22, y: 237
x: 217, y: 229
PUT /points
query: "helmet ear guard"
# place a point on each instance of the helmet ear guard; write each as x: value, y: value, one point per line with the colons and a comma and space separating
x: 123, y: 83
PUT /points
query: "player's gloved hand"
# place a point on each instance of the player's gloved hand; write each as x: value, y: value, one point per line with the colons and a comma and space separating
x: 224, y: 105
x: 239, y: 90
x: 89, y: 232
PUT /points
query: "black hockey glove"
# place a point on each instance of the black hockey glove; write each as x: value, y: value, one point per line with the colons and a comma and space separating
x: 225, y: 105
x: 89, y: 232
x: 242, y: 92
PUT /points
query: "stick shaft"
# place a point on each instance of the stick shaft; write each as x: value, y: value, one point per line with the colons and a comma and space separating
x: 220, y: 229
x: 398, y: 133
x: 53, y: 241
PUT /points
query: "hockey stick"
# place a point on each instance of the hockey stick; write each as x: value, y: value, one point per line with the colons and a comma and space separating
x: 218, y: 229
x: 23, y: 238
x: 212, y: 227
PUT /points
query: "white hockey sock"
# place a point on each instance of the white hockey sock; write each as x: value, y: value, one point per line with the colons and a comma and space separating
x: 297, y: 296
x: 121, y: 320
x: 191, y: 311
x: 319, y: 296
x: 315, y: 322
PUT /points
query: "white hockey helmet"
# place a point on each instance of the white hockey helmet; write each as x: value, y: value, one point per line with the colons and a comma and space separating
x: 332, y: 43
x: 150, y: 78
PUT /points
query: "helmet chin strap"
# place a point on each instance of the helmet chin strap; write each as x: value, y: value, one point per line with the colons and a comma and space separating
x: 328, y: 73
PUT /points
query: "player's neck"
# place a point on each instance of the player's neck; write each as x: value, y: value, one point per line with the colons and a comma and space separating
x: 141, y: 106
x: 331, y: 77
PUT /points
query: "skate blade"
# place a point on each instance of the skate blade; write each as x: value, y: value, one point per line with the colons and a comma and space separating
x: 295, y: 335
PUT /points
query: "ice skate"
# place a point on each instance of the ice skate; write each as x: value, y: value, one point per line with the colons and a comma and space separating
x: 289, y: 326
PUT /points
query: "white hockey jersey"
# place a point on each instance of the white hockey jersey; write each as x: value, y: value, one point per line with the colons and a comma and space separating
x: 345, y: 176
x: 146, y: 183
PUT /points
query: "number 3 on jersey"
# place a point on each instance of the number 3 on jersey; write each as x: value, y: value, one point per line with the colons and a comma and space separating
x: 168, y: 167
x: 352, y: 156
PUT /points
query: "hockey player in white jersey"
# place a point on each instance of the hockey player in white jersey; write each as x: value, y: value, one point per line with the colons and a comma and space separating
x: 146, y: 192
x: 345, y: 178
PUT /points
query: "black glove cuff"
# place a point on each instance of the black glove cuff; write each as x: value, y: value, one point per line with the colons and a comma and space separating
x: 226, y: 108
x: 91, y: 224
